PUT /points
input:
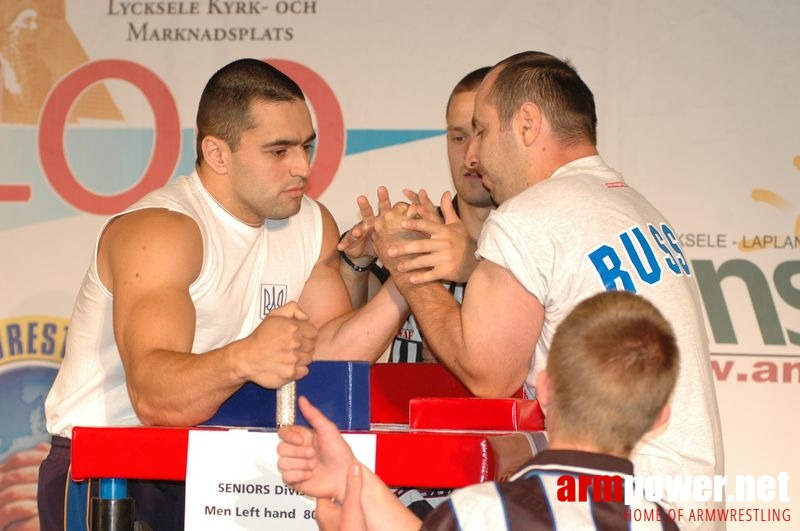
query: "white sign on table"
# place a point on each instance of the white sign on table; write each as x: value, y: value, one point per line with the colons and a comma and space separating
x: 233, y: 482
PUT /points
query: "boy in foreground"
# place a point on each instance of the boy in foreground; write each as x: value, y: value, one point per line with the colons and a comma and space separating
x: 611, y: 370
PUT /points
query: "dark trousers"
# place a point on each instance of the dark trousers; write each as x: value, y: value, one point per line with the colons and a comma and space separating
x: 64, y: 504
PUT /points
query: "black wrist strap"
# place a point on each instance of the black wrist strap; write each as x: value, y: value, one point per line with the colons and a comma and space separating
x: 354, y: 266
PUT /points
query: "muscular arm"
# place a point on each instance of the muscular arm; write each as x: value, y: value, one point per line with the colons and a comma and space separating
x: 148, y: 259
x: 488, y: 341
x: 357, y: 284
x: 346, y: 334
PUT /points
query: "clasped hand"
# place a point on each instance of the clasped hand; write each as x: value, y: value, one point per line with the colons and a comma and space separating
x: 413, y: 238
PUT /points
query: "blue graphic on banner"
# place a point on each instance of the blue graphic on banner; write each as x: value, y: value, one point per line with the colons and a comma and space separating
x: 108, y: 161
x: 23, y: 388
x: 360, y: 140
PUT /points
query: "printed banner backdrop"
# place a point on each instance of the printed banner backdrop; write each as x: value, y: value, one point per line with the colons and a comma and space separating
x: 697, y: 105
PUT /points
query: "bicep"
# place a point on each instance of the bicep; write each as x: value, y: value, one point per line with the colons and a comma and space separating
x: 325, y: 295
x: 152, y: 258
x: 501, y: 321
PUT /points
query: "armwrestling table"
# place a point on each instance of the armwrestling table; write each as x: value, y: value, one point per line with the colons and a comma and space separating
x: 431, y: 432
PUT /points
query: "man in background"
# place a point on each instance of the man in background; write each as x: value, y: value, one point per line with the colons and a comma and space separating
x: 453, y: 227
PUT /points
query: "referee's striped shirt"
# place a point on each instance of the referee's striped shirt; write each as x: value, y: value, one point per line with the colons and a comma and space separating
x: 528, y: 501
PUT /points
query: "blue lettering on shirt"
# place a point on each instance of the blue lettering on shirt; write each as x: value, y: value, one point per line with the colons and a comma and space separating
x: 610, y: 259
x: 651, y: 275
x: 609, y: 266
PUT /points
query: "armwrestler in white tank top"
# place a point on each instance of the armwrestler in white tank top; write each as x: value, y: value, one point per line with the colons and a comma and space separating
x: 246, y: 273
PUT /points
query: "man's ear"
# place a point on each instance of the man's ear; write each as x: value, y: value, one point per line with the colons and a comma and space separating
x: 215, y: 153
x: 543, y: 392
x: 530, y: 122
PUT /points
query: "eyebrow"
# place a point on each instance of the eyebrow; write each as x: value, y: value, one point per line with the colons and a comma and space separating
x: 290, y: 141
x: 458, y: 129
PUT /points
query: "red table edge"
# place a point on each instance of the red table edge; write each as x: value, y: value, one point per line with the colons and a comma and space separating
x: 159, y: 453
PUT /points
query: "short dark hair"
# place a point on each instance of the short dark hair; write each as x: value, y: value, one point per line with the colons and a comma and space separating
x: 224, y: 109
x: 468, y: 83
x: 552, y: 84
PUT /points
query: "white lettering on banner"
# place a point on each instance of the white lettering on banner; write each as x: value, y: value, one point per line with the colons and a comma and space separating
x: 704, y: 488
x: 233, y: 482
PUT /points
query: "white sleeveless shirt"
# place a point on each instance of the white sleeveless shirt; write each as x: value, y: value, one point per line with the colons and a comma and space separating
x: 246, y: 272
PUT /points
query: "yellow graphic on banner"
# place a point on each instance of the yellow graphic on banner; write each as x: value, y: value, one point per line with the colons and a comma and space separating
x: 773, y: 241
x: 37, y: 48
x: 33, y: 338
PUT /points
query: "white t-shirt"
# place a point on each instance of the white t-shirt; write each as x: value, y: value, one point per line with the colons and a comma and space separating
x: 583, y: 231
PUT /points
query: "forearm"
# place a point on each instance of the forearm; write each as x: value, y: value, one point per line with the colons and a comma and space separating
x: 457, y: 340
x: 357, y: 283
x: 364, y: 333
x: 438, y: 314
x: 182, y: 389
x: 383, y: 510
